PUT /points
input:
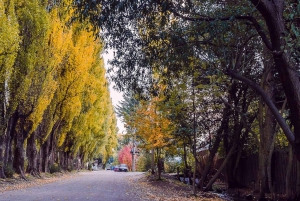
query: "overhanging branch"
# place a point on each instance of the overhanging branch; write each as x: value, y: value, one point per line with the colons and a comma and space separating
x: 287, y: 131
x: 252, y: 19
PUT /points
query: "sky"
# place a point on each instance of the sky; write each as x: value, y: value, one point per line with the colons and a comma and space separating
x: 115, y: 95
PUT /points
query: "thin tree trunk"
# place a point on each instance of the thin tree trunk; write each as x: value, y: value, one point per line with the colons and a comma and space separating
x: 212, y: 180
x: 194, y: 143
x: 269, y: 165
x: 215, y: 147
x: 152, y: 162
x: 212, y: 153
x: 159, y: 165
x: 267, y: 125
x: 185, y: 156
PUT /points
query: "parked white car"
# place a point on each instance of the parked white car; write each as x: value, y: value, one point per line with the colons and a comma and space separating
x: 123, y: 168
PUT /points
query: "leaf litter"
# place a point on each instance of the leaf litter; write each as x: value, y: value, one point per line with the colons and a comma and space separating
x: 146, y: 187
x: 17, y: 183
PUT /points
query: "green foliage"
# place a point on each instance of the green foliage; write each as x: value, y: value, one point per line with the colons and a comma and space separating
x: 171, y: 166
x: 143, y: 163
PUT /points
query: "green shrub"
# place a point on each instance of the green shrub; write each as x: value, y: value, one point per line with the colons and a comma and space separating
x: 54, y: 168
x: 9, y: 171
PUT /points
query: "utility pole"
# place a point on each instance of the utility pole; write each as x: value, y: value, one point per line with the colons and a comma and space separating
x: 133, y: 155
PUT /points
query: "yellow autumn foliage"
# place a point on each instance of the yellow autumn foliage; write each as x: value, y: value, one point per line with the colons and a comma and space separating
x: 151, y: 125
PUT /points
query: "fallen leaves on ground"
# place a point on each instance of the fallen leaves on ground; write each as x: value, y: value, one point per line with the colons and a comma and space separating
x: 17, y: 182
x: 148, y: 188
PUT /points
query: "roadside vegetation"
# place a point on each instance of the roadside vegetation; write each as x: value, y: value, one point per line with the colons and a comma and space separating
x: 56, y: 111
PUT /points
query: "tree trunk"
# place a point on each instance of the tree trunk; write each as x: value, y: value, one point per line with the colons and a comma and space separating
x: 272, y: 11
x: 2, y: 139
x: 22, y: 130
x: 215, y: 147
x: 212, y: 180
x: 269, y: 165
x: 39, y: 161
x: 45, y: 155
x: 297, y: 196
x: 152, y: 162
x: 2, y: 131
x: 185, y: 156
x: 288, y: 189
x: 19, y: 153
x: 267, y: 125
x: 8, y: 156
x: 209, y: 161
x: 232, y: 181
x: 159, y: 165
x: 32, y: 155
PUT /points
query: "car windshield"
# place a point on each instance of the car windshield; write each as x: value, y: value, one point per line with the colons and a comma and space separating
x: 123, y: 165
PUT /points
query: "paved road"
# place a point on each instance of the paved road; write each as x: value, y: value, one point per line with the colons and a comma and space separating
x: 93, y: 186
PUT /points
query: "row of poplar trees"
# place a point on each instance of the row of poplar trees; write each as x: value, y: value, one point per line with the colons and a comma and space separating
x: 55, y: 102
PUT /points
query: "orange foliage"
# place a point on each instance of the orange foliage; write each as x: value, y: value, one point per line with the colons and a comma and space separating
x: 151, y: 125
x: 125, y: 157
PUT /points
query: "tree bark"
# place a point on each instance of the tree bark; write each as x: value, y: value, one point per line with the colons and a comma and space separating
x: 159, y: 165
x: 269, y: 166
x: 267, y: 127
x: 19, y: 153
x: 32, y: 155
x: 45, y: 155
x: 212, y: 180
x: 185, y: 156
x: 8, y: 156
x: 2, y: 131
x: 2, y: 139
x: 215, y: 147
x: 22, y: 129
x: 272, y: 12
x: 288, y: 190
x: 297, y: 196
x: 152, y: 162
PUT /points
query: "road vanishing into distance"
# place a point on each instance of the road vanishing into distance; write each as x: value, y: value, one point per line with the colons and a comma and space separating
x: 103, y: 185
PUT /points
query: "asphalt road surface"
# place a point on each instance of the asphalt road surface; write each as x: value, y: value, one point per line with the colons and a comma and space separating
x: 103, y: 185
